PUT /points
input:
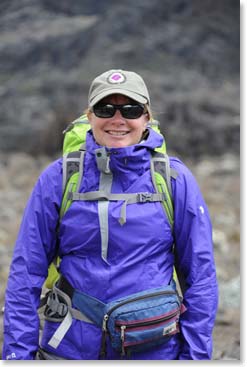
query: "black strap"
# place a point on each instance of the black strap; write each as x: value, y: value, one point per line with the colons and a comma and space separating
x: 64, y: 285
x: 43, y: 354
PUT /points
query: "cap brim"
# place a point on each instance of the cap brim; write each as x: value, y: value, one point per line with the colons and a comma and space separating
x: 136, y: 97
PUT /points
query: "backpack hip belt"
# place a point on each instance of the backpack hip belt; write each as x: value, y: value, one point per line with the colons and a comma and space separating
x: 134, y: 323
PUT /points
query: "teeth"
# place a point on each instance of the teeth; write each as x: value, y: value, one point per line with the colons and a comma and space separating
x: 117, y: 133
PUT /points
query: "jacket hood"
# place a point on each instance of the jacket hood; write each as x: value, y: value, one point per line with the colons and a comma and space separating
x: 132, y: 158
x: 152, y: 141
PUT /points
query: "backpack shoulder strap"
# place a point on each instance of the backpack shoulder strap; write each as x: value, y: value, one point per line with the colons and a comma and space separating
x: 161, y: 163
x: 72, y: 162
x: 162, y: 173
x: 72, y: 176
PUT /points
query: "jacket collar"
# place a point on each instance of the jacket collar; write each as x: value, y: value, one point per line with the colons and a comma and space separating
x: 152, y: 141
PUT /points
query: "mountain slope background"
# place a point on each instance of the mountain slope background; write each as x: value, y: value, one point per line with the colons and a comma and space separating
x: 186, y: 50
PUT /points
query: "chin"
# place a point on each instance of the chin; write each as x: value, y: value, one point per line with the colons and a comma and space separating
x: 117, y: 144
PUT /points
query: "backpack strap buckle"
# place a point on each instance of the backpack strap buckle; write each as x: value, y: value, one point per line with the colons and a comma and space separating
x: 56, y: 308
x: 144, y: 197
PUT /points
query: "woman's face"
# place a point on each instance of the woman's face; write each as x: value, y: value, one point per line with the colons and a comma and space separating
x: 117, y: 131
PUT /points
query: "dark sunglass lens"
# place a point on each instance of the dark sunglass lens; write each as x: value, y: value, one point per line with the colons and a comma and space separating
x: 127, y: 111
x: 132, y: 111
x: 104, y: 110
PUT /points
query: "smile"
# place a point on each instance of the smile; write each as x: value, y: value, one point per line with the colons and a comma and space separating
x: 117, y: 133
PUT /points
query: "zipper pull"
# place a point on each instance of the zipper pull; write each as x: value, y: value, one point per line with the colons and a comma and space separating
x: 105, y: 319
x: 103, y: 338
x: 123, y: 327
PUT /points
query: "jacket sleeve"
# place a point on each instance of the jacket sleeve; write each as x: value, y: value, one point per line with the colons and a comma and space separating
x: 195, y: 261
x: 34, y: 250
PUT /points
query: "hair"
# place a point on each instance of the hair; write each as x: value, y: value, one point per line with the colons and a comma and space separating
x: 149, y: 111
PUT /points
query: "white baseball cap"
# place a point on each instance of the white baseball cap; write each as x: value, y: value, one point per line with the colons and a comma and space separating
x: 127, y: 83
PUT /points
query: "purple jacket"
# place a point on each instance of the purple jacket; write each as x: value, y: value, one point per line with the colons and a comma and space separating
x: 138, y: 256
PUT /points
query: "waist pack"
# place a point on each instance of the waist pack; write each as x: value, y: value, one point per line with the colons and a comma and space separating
x: 134, y: 323
x: 142, y: 320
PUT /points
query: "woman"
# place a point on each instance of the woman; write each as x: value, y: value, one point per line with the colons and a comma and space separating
x: 102, y: 257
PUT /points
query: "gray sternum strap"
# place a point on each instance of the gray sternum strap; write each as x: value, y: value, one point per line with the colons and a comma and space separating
x: 131, y: 198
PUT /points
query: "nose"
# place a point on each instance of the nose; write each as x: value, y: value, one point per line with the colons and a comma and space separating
x: 118, y: 118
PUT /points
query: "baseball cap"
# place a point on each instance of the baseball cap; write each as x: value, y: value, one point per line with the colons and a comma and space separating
x: 124, y: 82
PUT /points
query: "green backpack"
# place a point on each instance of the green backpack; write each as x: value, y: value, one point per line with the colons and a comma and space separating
x: 73, y: 158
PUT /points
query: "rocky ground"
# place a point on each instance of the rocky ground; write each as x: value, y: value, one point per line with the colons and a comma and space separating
x: 220, y: 183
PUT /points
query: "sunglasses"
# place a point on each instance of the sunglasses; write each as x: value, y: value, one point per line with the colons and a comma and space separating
x: 128, y: 111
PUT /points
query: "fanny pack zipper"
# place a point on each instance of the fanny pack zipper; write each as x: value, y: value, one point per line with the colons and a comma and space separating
x: 147, y: 323
x: 124, y: 328
x: 160, y: 293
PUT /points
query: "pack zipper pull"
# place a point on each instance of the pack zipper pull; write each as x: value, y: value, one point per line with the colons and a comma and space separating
x: 103, y: 339
x: 105, y: 319
x: 123, y: 327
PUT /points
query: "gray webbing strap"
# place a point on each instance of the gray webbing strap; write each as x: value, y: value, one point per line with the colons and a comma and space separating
x: 131, y: 198
x: 67, y: 321
x: 75, y: 158
x: 173, y: 172
x: 141, y: 197
x: 61, y: 331
x: 105, y: 184
x: 103, y: 160
x: 103, y: 205
x: 81, y: 162
x: 64, y: 170
x: 167, y: 172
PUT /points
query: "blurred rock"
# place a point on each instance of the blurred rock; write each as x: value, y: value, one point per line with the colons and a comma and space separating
x: 230, y: 294
x: 187, y: 52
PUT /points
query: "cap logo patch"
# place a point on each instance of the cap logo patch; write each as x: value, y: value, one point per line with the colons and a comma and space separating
x: 116, y: 78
